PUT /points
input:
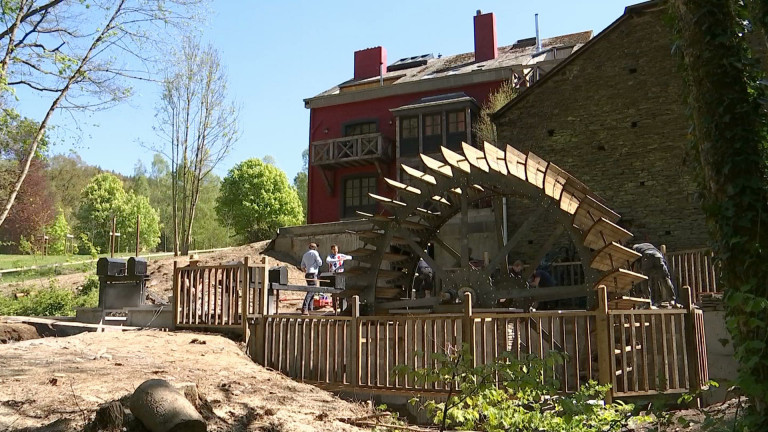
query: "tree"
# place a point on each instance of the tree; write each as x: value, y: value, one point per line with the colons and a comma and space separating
x: 730, y: 134
x: 300, y: 182
x: 68, y: 175
x: 255, y: 199
x: 199, y: 127
x: 68, y: 48
x: 101, y: 199
x: 34, y: 211
x: 485, y: 130
x: 57, y: 235
x: 149, y: 228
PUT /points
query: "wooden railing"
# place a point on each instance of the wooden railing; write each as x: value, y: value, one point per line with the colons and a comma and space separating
x: 217, y: 296
x: 694, y: 268
x: 641, y: 352
x: 350, y: 150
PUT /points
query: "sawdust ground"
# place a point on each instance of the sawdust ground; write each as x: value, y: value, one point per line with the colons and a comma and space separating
x: 50, y: 379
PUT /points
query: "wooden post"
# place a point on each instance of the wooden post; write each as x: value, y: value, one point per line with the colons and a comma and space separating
x: 604, y: 344
x: 353, y: 357
x: 244, y: 291
x: 138, y: 229
x: 176, y: 292
x: 261, y: 289
x: 468, y: 325
x: 112, y: 237
x: 692, y: 350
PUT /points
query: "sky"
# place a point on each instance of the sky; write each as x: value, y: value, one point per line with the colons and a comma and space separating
x: 278, y: 53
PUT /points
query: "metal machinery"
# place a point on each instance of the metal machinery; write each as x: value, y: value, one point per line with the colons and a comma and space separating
x: 121, y: 283
x: 429, y: 199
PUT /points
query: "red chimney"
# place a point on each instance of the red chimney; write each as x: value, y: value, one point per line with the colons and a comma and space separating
x: 485, y: 37
x: 369, y: 61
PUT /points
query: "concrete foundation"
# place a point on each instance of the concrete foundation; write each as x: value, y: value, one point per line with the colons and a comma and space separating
x: 147, y: 316
x: 722, y: 364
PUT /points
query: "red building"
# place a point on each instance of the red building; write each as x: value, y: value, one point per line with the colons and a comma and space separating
x: 362, y: 129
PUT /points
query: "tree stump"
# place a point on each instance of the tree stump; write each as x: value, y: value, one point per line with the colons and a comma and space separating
x: 162, y: 408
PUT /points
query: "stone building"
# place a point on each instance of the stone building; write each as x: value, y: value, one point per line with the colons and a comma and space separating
x: 613, y: 115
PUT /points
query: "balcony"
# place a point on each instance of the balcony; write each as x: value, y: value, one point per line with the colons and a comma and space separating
x: 351, y: 151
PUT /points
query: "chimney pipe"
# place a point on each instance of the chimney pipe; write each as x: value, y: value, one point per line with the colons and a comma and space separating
x: 538, y: 39
x: 485, y: 37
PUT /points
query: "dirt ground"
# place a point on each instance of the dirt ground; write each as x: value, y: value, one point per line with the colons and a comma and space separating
x: 46, y: 380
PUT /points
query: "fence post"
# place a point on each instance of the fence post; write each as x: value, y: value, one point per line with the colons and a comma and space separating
x: 691, y: 339
x: 468, y: 325
x: 604, y: 345
x: 353, y: 357
x: 244, y: 289
x: 259, y: 351
x: 176, y: 293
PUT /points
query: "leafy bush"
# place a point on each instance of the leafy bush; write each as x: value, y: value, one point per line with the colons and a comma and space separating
x: 512, y: 394
x: 51, y: 301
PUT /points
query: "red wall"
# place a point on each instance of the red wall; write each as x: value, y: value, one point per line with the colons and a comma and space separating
x: 324, y: 207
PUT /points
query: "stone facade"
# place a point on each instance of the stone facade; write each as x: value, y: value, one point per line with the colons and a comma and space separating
x: 614, y: 116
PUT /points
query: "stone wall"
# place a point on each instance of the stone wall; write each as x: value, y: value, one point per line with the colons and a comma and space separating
x: 614, y: 117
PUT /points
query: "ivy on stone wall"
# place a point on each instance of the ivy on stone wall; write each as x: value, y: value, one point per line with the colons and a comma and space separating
x: 730, y: 133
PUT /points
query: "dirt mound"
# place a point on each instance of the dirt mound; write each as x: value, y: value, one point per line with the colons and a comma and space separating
x: 15, y: 332
x: 65, y: 380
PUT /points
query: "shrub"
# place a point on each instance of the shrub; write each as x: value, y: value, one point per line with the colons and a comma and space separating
x: 51, y: 301
x: 512, y: 394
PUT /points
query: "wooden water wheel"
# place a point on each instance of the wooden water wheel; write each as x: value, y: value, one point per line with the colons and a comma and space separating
x: 444, y: 190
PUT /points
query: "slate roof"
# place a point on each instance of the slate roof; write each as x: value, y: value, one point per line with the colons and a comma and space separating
x: 509, y: 56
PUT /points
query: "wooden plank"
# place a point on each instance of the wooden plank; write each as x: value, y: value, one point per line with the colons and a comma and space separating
x: 590, y: 211
x: 571, y: 196
x: 387, y: 201
x: 416, y: 174
x: 554, y: 181
x: 402, y: 187
x: 456, y: 160
x: 516, y: 162
x: 613, y: 255
x: 603, y: 232
x: 535, y: 168
x: 620, y: 280
x: 475, y: 157
x: 495, y: 158
x: 437, y: 166
x: 626, y: 303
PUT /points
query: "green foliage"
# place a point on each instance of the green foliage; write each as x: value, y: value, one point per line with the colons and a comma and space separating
x: 730, y: 138
x: 104, y: 197
x: 26, y: 247
x: 57, y: 235
x: 85, y: 247
x: 512, y: 394
x: 300, y: 183
x: 255, y: 199
x: 485, y: 129
x: 51, y: 301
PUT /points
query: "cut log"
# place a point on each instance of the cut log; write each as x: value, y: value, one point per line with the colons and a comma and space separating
x: 162, y: 408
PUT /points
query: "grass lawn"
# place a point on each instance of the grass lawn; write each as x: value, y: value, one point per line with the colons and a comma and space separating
x: 18, y: 261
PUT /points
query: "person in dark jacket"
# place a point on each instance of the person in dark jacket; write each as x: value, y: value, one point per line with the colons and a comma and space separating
x: 652, y: 264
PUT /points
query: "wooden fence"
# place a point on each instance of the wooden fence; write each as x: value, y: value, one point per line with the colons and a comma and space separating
x: 695, y: 268
x: 639, y: 352
x: 218, y: 297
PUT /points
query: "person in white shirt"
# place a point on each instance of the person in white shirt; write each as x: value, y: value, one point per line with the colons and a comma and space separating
x: 336, y: 260
x: 310, y: 265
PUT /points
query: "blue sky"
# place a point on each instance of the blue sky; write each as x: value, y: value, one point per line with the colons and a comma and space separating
x: 278, y: 53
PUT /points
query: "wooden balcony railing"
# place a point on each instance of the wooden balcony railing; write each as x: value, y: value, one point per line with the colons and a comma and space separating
x: 352, y: 150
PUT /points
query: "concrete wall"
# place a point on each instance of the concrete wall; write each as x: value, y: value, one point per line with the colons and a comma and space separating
x: 614, y: 117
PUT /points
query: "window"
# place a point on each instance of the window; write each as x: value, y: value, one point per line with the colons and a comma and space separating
x: 409, y: 136
x: 457, y: 129
x: 360, y: 128
x: 356, y: 197
x: 433, y: 133
x: 456, y: 122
